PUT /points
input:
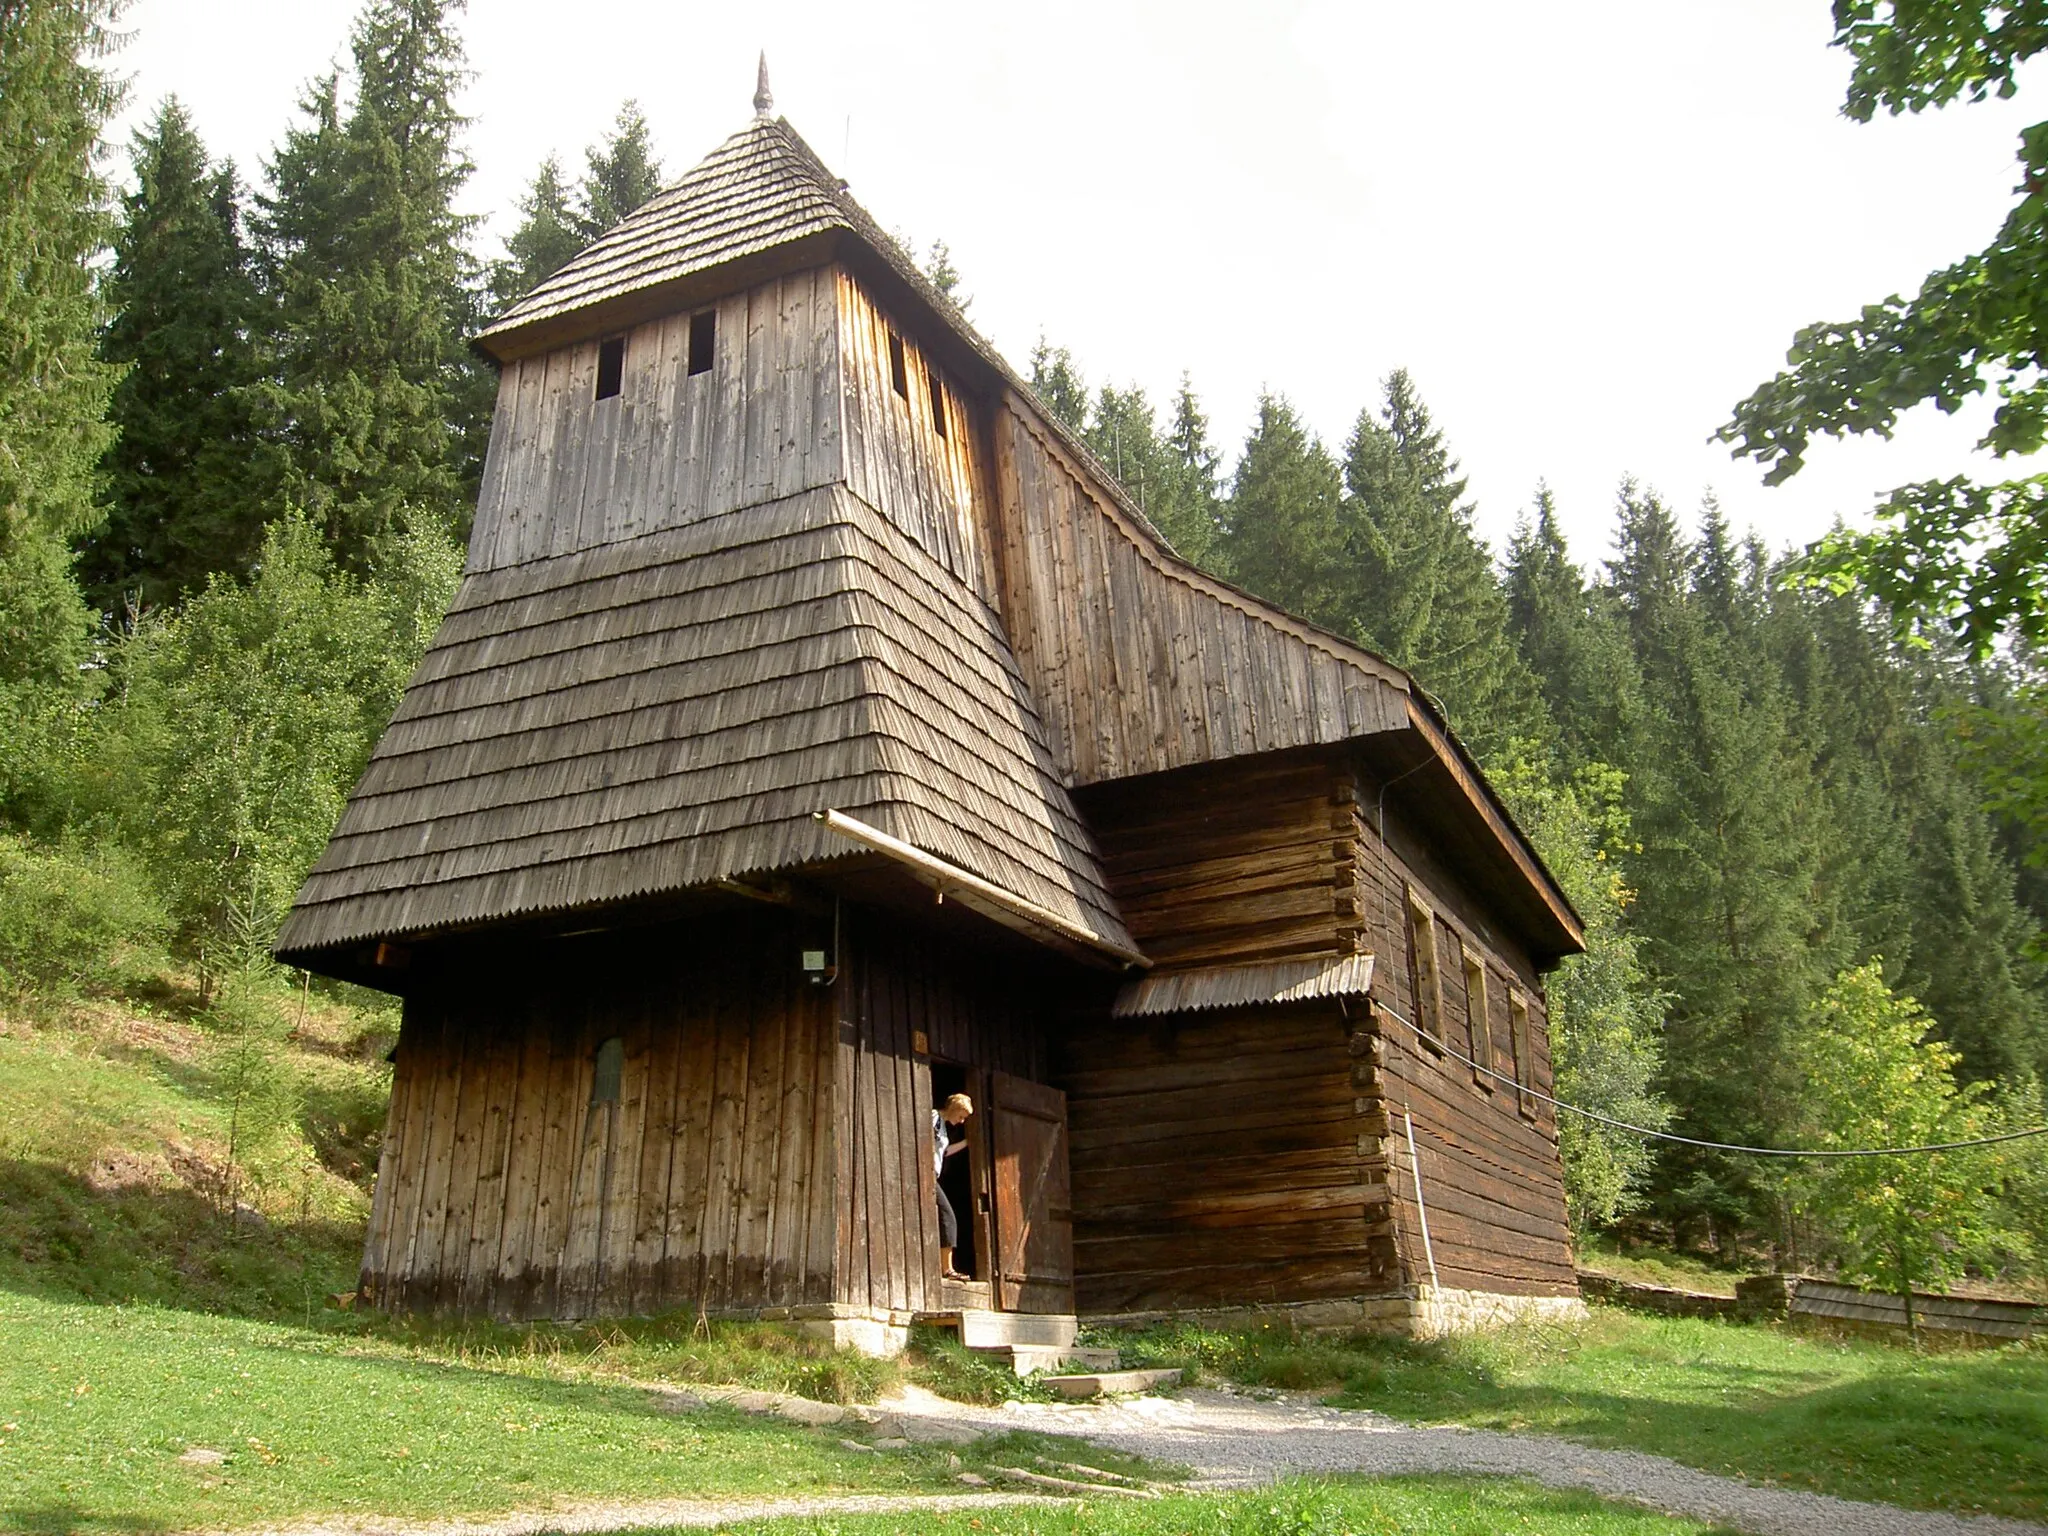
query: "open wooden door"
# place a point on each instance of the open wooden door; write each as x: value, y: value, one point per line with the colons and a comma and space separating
x: 1034, y: 1218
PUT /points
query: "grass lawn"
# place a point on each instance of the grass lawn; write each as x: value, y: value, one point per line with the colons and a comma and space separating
x: 99, y: 1404
x: 1402, y: 1506
x: 1865, y: 1420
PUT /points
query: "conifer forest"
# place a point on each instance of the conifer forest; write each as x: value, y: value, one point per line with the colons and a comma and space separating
x: 1799, y: 797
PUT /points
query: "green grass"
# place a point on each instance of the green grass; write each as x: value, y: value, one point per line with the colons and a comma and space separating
x: 100, y: 1402
x: 1963, y: 1430
x: 1431, y: 1506
x: 1644, y: 1264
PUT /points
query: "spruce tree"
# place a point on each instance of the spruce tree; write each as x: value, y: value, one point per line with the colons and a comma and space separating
x: 378, y: 411
x: 1571, y: 637
x: 1059, y: 385
x: 55, y: 96
x: 1732, y: 905
x: 546, y: 238
x: 1284, y: 538
x: 1191, y: 514
x: 1919, y: 875
x: 181, y: 503
x: 622, y: 173
x: 1422, y: 589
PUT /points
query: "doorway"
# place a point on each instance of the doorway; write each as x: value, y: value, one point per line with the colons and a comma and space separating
x: 958, y: 1177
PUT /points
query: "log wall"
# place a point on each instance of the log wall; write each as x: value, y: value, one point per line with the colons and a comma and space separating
x: 1217, y: 1161
x: 1233, y: 863
x: 504, y: 1189
x: 1488, y: 1157
x: 1260, y: 1153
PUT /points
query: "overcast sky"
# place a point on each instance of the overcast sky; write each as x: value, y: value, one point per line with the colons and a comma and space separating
x: 1586, y: 228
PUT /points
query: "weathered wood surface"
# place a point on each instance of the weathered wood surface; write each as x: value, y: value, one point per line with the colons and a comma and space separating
x: 505, y: 1190
x: 567, y: 472
x: 1139, y: 662
x: 983, y: 1014
x: 1235, y: 863
x: 1488, y: 1156
x: 1854, y: 1304
x: 1216, y: 1160
x: 1034, y: 1217
x: 761, y: 190
x: 932, y: 487
x: 673, y: 710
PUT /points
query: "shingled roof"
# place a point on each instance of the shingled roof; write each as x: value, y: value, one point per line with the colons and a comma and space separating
x: 676, y: 709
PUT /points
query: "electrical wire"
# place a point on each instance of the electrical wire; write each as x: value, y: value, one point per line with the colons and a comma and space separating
x: 1694, y: 1141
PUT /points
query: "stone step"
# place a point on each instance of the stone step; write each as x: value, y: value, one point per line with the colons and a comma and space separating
x: 1110, y: 1383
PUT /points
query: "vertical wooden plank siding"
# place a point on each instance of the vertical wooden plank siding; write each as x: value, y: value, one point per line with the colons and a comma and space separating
x: 895, y: 986
x: 568, y: 471
x: 1138, y: 662
x: 709, y: 1181
x: 928, y: 485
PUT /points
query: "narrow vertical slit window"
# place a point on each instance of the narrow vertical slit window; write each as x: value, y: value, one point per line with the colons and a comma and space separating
x: 937, y: 391
x: 703, y: 340
x: 611, y: 366
x: 609, y: 1069
x: 899, y: 372
x: 1478, y: 1024
x: 1429, y: 981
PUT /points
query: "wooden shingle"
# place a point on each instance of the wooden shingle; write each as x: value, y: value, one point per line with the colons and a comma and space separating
x: 674, y: 710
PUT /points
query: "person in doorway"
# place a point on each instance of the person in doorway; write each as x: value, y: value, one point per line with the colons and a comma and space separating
x: 955, y: 1111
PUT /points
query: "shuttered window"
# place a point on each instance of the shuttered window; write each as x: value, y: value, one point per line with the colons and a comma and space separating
x: 1518, y: 1039
x: 1429, y: 979
x: 1478, y: 1029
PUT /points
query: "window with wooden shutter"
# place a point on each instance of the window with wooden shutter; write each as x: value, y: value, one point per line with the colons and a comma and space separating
x: 1518, y: 1040
x: 1478, y: 1028
x: 1428, y: 976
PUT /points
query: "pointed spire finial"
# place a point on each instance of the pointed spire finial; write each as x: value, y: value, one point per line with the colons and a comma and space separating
x: 764, y: 99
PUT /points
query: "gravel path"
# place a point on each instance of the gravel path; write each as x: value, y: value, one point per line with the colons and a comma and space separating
x: 1235, y: 1441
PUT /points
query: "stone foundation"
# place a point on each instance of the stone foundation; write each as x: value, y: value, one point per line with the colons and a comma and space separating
x: 876, y: 1331
x: 1422, y: 1312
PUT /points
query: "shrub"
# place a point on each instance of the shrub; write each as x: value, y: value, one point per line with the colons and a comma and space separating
x: 68, y: 917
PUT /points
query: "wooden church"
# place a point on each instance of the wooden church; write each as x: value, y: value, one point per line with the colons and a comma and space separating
x: 819, y: 731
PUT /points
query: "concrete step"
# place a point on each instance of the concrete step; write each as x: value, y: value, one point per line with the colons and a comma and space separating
x: 1031, y: 1359
x: 1110, y: 1383
x: 1001, y: 1330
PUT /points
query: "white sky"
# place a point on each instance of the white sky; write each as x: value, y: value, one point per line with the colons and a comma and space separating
x: 1587, y: 228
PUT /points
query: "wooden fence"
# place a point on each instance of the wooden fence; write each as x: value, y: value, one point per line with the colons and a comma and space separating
x: 1803, y: 1296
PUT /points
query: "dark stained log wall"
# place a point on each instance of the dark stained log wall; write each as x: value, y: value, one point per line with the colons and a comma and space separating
x: 1489, y: 1165
x: 709, y: 1182
x: 1216, y: 1161
x: 1236, y: 862
x: 1259, y: 1154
